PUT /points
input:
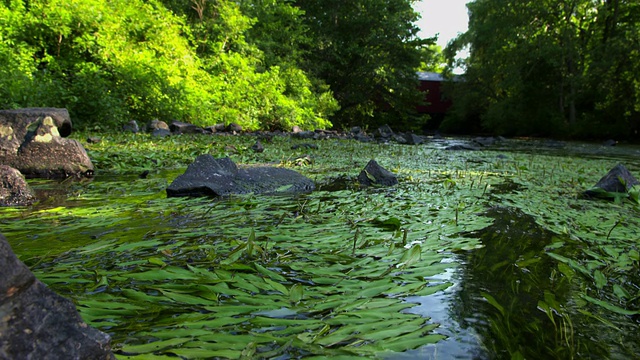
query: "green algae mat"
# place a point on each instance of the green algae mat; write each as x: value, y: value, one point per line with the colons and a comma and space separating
x: 501, y: 238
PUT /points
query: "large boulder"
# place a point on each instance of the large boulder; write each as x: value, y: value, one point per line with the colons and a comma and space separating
x: 37, y: 323
x: 14, y: 190
x: 617, y: 181
x: 208, y: 176
x: 33, y: 141
x: 374, y: 174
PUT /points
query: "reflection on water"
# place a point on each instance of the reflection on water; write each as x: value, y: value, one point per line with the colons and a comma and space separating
x: 506, y: 301
x: 461, y: 342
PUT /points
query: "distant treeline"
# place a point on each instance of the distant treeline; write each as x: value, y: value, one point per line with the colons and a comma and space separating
x: 565, y: 68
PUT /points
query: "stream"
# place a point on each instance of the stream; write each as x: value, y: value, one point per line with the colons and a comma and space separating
x: 486, y: 254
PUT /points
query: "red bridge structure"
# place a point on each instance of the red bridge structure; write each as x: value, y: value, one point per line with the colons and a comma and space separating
x: 437, y: 103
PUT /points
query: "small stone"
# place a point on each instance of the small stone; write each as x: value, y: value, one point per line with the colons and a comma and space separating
x: 257, y: 147
x: 131, y: 126
x: 234, y: 128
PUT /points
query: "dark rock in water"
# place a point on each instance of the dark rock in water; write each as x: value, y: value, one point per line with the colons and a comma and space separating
x: 156, y: 124
x: 14, y: 190
x: 178, y: 127
x: 37, y: 323
x: 257, y: 147
x: 220, y: 127
x: 304, y: 146
x: 208, y: 176
x: 617, y: 180
x: 460, y: 147
x: 356, y: 130
x: 31, y: 142
x: 610, y: 142
x: 413, y: 139
x: 374, y: 174
x: 131, y: 126
x: 160, y: 133
x: 384, y: 132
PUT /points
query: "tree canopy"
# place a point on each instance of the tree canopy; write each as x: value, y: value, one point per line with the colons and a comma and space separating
x: 265, y: 64
x: 559, y: 68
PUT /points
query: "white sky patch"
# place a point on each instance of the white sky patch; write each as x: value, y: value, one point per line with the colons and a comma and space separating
x: 448, y: 18
x: 445, y: 18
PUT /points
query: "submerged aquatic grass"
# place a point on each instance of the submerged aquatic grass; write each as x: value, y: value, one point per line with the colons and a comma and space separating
x: 320, y: 274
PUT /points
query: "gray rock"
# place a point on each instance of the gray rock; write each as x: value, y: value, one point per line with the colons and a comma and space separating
x: 20, y: 120
x: 304, y: 135
x: 156, y: 124
x: 617, y: 180
x: 160, y: 133
x: 374, y: 174
x: 384, y: 132
x: 210, y: 129
x: 363, y: 138
x: 178, y: 127
x: 399, y: 138
x: 257, y: 147
x: 131, y: 126
x: 14, y: 190
x: 37, y: 323
x: 234, y: 128
x: 413, y: 139
x: 31, y: 141
x: 208, y: 176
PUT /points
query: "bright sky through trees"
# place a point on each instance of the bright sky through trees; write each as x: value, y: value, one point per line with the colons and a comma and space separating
x: 444, y: 17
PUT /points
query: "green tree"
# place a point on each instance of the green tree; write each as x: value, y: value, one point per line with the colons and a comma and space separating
x: 537, y: 68
x: 368, y: 52
x: 110, y: 61
x: 254, y: 81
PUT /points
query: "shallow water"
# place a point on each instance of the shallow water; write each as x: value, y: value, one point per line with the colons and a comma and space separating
x: 487, y: 230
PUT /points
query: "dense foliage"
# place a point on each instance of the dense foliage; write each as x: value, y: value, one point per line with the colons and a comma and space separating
x: 550, y: 68
x: 265, y: 64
